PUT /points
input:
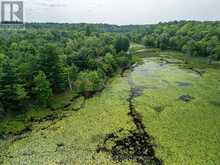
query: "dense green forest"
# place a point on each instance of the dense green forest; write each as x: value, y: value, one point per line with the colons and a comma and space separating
x: 191, y: 37
x: 42, y: 61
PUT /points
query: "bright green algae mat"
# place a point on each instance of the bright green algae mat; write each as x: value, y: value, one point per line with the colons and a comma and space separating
x: 185, y: 132
x: 74, y: 139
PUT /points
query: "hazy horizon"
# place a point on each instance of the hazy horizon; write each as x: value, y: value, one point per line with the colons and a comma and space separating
x: 120, y: 12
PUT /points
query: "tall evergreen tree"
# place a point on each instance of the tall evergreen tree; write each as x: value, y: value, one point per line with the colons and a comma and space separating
x: 49, y: 62
x: 41, y: 89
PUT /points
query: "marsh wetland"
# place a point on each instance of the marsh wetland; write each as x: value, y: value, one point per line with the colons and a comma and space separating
x: 163, y: 111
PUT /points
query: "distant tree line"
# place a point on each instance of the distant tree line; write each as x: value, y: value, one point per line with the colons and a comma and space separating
x: 83, y: 27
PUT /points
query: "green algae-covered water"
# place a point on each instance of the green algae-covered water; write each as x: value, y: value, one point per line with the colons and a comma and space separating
x: 178, y: 109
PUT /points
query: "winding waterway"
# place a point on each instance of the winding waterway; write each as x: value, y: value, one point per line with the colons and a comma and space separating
x: 158, y: 113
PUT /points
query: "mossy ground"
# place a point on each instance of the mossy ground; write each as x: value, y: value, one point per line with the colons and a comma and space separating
x: 184, y: 132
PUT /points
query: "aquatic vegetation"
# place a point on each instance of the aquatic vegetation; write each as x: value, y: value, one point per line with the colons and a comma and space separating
x: 137, y: 144
x: 168, y: 109
x: 186, y: 132
x: 79, y: 134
